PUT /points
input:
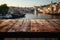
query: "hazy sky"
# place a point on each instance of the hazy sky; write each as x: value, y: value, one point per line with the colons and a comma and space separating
x: 26, y: 3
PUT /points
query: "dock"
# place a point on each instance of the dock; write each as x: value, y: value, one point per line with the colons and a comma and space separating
x: 32, y: 25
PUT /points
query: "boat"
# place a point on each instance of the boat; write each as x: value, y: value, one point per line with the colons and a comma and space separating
x: 18, y: 15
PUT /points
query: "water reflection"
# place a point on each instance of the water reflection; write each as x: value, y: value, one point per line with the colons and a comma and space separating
x: 40, y: 16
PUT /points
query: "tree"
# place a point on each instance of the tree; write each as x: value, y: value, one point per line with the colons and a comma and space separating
x: 4, y: 9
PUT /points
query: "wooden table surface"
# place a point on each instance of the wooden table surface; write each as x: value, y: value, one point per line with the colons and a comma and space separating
x: 31, y: 39
x: 32, y: 25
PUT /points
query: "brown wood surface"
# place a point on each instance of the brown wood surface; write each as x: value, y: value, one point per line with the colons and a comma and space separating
x: 25, y: 25
x: 30, y: 39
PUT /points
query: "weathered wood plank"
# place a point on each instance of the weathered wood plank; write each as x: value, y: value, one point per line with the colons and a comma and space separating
x: 40, y: 25
x: 25, y: 25
x: 56, y: 21
x: 6, y: 28
x: 31, y: 39
x: 49, y: 28
x: 44, y: 26
x: 5, y: 23
x: 10, y: 38
x: 56, y: 26
x: 16, y: 26
x: 35, y: 26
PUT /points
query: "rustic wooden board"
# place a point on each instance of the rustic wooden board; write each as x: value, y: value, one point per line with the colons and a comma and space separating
x: 15, y: 26
x: 8, y: 26
x: 10, y: 38
x: 55, y: 25
x: 34, y: 26
x: 25, y: 25
x: 30, y: 39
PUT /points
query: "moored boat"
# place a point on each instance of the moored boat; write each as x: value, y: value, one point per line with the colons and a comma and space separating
x: 17, y: 15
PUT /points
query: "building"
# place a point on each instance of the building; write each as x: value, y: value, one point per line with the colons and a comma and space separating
x: 52, y: 8
x: 58, y: 7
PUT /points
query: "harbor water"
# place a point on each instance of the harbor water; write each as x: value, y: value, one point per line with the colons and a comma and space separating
x: 40, y: 16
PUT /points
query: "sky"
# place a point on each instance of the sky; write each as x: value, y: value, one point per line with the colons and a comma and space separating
x: 26, y: 3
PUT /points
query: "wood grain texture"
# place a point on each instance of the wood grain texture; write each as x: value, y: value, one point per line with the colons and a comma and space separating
x: 25, y: 25
x: 30, y: 39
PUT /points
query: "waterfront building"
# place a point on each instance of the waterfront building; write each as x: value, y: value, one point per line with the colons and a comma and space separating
x: 58, y: 7
x: 50, y: 8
